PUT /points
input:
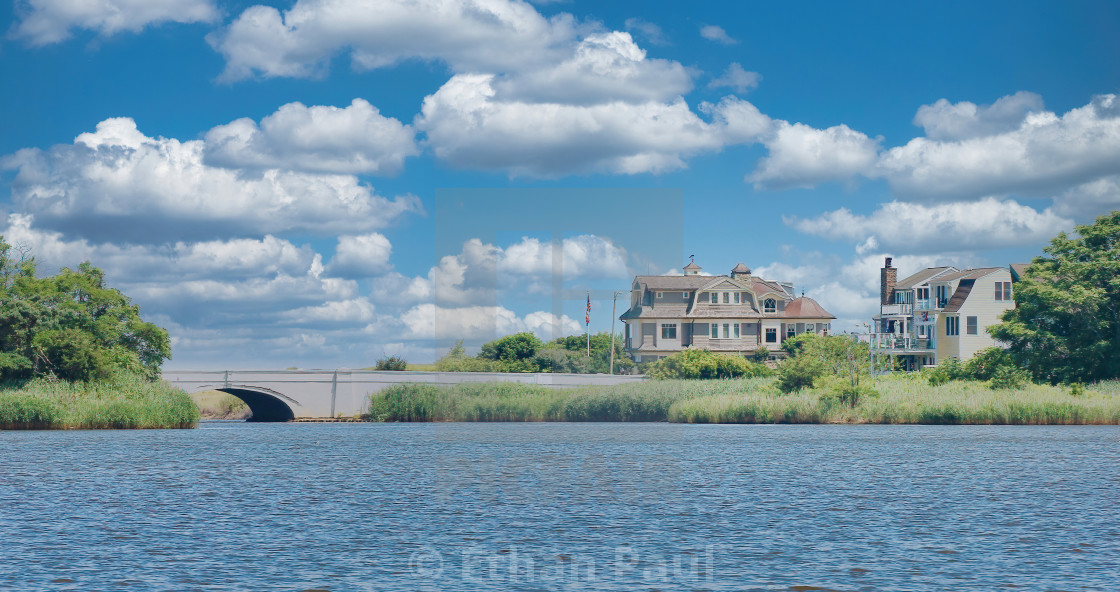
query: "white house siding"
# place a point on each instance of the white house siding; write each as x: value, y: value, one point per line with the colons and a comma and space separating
x: 982, y: 304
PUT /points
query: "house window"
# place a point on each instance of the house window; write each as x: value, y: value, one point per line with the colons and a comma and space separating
x: 668, y: 331
x: 727, y: 298
x: 715, y: 330
x: 952, y: 325
x: 714, y: 298
x: 738, y: 331
x: 970, y: 325
x: 660, y: 294
x: 737, y: 298
x: 923, y: 331
x: 1003, y: 290
x: 769, y: 305
x: 942, y: 296
x: 923, y: 293
x: 771, y: 336
x: 791, y: 330
x: 810, y: 328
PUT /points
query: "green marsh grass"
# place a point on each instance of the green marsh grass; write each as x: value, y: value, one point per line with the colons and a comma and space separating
x: 121, y: 403
x: 909, y: 399
x: 904, y: 399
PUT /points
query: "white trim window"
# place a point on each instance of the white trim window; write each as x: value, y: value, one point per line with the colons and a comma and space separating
x: 714, y: 330
x: 1003, y: 290
x: 771, y: 335
x: 769, y: 305
x: 668, y: 330
x: 952, y: 326
x: 970, y: 325
x: 661, y: 294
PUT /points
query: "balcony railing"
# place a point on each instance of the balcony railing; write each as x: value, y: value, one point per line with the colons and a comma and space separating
x: 897, y: 309
x: 895, y: 341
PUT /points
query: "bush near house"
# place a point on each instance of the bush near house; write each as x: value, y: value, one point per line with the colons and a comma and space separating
x: 701, y: 363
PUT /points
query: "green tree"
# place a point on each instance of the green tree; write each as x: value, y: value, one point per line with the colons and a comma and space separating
x: 71, y: 325
x: 513, y: 353
x: 1065, y: 326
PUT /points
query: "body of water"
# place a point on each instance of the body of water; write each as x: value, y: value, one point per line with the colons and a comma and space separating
x: 456, y: 507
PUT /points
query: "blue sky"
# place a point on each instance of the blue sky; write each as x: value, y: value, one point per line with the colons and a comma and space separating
x: 318, y: 183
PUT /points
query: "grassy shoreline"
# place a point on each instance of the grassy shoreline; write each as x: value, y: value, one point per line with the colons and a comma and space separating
x: 122, y: 403
x: 904, y: 399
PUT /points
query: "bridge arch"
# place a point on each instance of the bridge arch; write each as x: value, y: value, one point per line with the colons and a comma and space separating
x: 265, y: 404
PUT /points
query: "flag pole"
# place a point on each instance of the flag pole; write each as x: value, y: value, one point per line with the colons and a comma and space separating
x: 587, y: 323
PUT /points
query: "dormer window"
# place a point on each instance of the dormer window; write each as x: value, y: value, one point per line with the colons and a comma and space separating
x: 769, y: 305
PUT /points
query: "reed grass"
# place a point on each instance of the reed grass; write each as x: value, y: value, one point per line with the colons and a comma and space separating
x: 909, y: 399
x: 121, y: 403
x: 904, y: 399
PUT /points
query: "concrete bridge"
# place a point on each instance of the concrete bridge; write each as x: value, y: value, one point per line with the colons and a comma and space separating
x: 284, y: 395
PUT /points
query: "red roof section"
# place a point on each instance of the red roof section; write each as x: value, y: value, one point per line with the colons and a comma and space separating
x: 806, y: 308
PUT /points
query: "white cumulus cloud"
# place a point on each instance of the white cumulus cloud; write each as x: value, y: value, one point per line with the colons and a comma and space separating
x: 429, y: 321
x: 360, y: 256
x: 468, y: 126
x: 803, y: 156
x: 469, y: 35
x: 118, y: 184
x: 958, y: 121
x: 604, y: 67
x: 1044, y: 154
x: 914, y: 228
x: 321, y: 139
x: 42, y: 22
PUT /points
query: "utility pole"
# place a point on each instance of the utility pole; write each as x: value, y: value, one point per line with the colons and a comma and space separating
x: 614, y: 304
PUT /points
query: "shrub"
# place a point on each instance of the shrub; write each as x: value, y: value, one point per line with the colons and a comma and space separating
x: 1009, y: 378
x: 760, y: 355
x: 551, y: 358
x: 986, y: 362
x: 796, y: 374
x: 794, y: 345
x: 701, y: 363
x: 395, y: 363
x: 950, y: 369
x: 849, y: 394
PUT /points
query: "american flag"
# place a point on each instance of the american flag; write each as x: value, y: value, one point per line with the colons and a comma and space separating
x: 587, y: 317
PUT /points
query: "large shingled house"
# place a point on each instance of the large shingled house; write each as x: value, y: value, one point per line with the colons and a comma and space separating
x: 735, y: 313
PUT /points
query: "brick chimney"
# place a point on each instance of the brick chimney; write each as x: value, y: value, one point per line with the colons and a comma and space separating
x: 888, y: 277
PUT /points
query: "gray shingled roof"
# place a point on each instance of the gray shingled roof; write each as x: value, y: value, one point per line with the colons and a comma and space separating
x: 661, y: 283
x: 970, y: 274
x: 921, y: 277
x: 703, y: 310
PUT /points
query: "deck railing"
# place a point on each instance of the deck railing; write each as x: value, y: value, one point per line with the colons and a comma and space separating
x: 896, y: 341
